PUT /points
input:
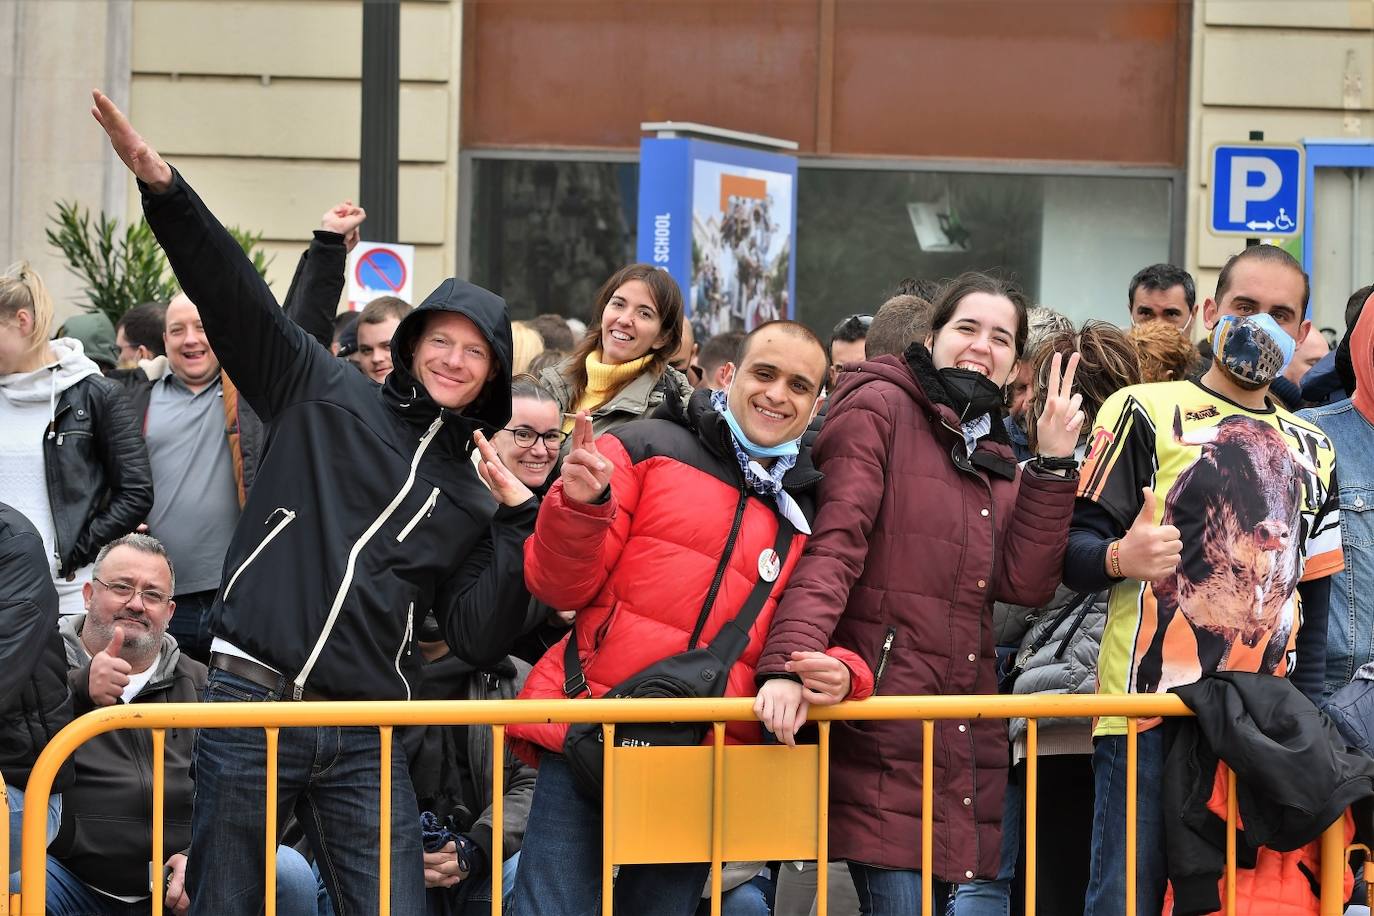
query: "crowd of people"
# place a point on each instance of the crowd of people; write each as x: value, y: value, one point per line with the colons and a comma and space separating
x: 224, y: 498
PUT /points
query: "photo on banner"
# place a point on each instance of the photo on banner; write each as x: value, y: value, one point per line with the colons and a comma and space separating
x: 742, y: 225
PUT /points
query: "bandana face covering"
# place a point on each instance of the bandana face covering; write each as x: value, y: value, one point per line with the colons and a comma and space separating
x: 1253, y: 349
x: 972, y: 393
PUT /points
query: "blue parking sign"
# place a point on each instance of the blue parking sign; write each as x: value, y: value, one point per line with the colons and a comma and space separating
x: 1257, y: 189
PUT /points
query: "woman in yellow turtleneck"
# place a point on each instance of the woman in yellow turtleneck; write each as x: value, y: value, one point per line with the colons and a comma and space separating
x: 619, y: 371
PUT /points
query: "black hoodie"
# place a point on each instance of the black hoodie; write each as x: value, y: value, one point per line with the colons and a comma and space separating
x: 366, y: 512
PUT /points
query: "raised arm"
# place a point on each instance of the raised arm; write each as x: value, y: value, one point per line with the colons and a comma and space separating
x: 270, y: 359
x: 313, y: 297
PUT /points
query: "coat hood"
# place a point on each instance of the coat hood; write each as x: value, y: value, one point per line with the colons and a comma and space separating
x: 485, y: 309
x: 97, y: 336
x: 47, y: 383
x: 77, y: 656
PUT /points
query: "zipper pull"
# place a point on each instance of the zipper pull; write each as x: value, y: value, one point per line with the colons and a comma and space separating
x: 59, y: 438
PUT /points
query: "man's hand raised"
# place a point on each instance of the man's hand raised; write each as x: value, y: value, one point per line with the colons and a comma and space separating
x: 132, y: 149
x: 109, y: 673
x: 586, y: 472
x: 344, y: 218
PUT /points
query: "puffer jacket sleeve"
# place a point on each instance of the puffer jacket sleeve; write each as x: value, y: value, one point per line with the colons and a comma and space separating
x: 128, y: 475
x: 576, y: 545
x: 851, y: 452
x: 1033, y: 549
x: 28, y: 607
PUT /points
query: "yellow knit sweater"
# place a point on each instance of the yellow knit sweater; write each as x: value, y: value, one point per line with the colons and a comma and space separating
x: 602, y: 379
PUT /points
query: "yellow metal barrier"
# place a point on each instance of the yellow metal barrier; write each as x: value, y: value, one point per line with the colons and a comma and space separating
x: 711, y: 804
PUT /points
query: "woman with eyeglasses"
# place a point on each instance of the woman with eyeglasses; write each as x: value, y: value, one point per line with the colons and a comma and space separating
x: 619, y: 371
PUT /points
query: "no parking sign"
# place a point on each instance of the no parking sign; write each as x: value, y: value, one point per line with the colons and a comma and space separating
x: 380, y: 269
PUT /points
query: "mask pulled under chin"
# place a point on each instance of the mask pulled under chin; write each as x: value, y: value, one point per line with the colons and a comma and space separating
x: 972, y: 393
x: 722, y: 406
x: 1253, y: 349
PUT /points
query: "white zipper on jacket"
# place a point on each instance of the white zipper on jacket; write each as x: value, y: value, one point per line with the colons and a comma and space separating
x: 357, y: 548
x: 405, y: 642
x: 287, y: 518
x: 425, y: 512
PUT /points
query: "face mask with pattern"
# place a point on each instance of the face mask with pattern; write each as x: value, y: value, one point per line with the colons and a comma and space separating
x: 1253, y: 349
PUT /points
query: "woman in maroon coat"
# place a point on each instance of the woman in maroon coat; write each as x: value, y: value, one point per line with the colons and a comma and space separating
x: 924, y: 521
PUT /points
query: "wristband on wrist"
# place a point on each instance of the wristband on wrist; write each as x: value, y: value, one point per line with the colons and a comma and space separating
x: 1114, y: 559
x: 1053, y: 463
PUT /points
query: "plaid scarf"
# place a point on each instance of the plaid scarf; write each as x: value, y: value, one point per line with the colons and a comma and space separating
x: 764, y: 481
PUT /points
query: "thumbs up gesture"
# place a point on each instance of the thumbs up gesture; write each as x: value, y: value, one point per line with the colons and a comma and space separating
x: 109, y: 673
x: 586, y: 472
x: 1149, y: 552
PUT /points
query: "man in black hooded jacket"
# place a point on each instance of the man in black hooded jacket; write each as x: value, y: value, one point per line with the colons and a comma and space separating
x: 366, y: 515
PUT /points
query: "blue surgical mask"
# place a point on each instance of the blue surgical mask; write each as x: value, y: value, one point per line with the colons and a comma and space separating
x: 722, y: 405
x: 1254, y: 349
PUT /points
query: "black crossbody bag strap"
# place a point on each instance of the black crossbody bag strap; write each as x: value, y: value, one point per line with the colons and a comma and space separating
x: 729, y: 643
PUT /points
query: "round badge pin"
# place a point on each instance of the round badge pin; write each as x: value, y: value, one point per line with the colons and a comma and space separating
x: 770, y: 564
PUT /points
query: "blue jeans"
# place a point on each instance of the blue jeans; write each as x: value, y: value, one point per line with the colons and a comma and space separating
x: 68, y: 895
x: 1107, y: 879
x: 15, y: 798
x: 752, y: 898
x: 992, y: 896
x: 331, y: 779
x: 560, y: 860
x: 190, y: 625
x: 893, y: 891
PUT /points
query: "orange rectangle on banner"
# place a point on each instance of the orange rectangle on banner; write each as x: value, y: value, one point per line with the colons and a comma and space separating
x: 739, y: 186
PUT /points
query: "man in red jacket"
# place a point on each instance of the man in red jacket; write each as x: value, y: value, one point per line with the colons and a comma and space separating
x: 657, y: 531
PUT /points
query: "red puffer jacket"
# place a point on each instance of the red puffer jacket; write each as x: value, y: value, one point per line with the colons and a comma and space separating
x: 639, y: 567
x: 913, y: 543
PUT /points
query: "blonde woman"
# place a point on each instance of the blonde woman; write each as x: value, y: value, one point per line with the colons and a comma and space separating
x: 72, y: 459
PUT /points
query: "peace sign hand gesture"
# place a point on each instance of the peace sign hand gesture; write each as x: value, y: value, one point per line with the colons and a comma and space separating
x: 586, y: 473
x: 132, y: 149
x: 1056, y: 430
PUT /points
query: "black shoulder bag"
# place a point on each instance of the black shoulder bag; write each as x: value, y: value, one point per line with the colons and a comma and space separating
x: 694, y: 673
x: 1082, y: 603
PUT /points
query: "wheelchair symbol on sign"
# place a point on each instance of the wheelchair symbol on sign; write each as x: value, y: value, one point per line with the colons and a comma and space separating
x: 1283, y: 222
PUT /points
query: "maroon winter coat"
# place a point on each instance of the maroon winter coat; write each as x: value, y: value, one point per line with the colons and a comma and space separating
x: 909, y: 552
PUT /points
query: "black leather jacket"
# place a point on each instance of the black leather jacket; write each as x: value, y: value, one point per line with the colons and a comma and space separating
x: 100, y: 485
x: 34, y: 700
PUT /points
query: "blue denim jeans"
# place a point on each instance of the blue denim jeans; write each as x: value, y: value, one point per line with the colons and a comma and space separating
x: 1107, y: 879
x: 15, y: 798
x: 68, y: 895
x: 992, y: 896
x: 330, y: 778
x: 752, y: 898
x: 560, y: 860
x: 190, y: 625
x: 893, y: 891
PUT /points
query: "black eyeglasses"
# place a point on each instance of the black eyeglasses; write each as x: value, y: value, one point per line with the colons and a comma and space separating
x: 862, y: 321
x: 125, y: 593
x: 524, y: 437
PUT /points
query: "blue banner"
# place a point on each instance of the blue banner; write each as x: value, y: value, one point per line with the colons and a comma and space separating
x: 722, y: 220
